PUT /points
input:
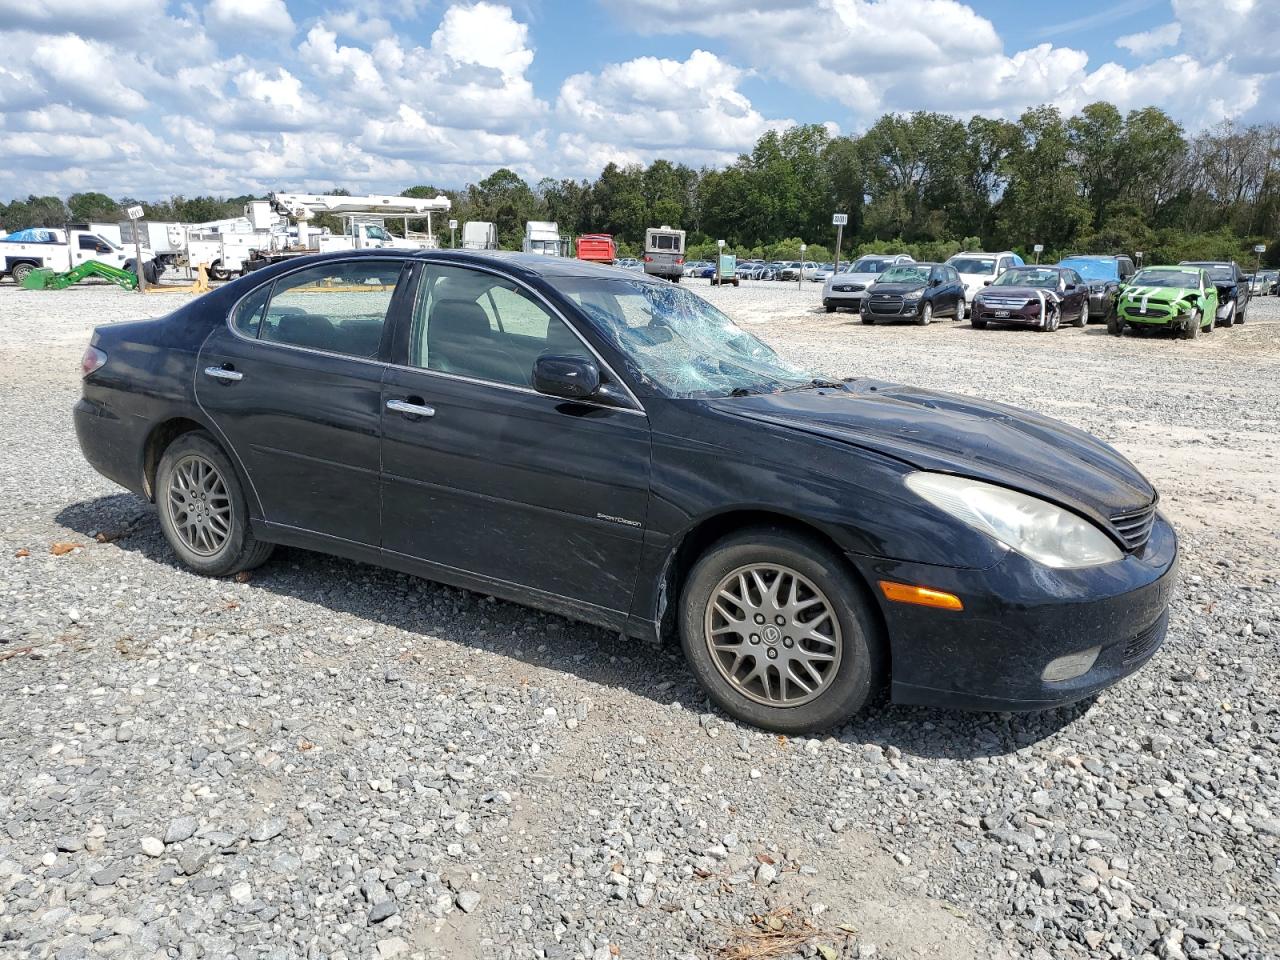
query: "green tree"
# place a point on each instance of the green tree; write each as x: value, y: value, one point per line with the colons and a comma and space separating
x: 93, y: 206
x: 504, y: 199
x: 1042, y: 203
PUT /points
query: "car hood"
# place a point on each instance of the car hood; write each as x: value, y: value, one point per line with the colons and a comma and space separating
x: 1158, y: 294
x: 897, y: 289
x: 862, y: 278
x: 944, y: 432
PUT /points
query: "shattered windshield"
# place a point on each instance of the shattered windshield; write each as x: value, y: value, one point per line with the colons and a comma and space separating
x: 1180, y: 279
x: 678, y: 344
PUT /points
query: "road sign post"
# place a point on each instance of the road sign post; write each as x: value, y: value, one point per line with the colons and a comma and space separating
x: 134, y: 214
x: 453, y: 225
x: 800, y: 272
x: 1259, y: 249
x: 1039, y: 249
x: 838, y: 220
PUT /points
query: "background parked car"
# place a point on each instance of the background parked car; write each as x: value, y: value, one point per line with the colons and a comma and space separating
x: 823, y: 273
x: 978, y: 269
x: 693, y: 268
x: 1233, y: 292
x: 795, y: 270
x: 915, y: 292
x: 1104, y: 275
x: 846, y: 288
x: 629, y: 263
x: 1033, y: 296
x: 1183, y: 299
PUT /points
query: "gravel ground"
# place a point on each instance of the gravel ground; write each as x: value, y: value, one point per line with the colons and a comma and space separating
x: 328, y: 760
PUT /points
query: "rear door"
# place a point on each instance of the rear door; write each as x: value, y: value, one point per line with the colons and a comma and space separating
x: 294, y: 384
x: 483, y: 475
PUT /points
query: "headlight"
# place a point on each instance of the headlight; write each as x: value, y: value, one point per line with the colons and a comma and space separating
x: 1035, y: 528
x: 910, y: 297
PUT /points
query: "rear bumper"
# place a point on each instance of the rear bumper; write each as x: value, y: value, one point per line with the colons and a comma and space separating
x: 1018, y: 617
x: 109, y: 444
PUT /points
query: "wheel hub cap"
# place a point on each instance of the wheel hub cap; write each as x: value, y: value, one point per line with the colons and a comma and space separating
x: 199, y: 505
x: 773, y: 635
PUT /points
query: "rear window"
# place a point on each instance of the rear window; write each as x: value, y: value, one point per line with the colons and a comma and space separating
x: 973, y: 264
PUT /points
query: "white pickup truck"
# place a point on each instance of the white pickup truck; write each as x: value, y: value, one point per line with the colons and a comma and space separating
x: 62, y: 250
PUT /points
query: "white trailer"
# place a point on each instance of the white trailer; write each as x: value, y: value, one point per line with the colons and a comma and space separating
x: 479, y: 235
x: 62, y: 250
x: 543, y: 236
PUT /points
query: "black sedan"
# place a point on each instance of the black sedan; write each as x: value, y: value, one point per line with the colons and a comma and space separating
x: 915, y: 291
x: 615, y: 449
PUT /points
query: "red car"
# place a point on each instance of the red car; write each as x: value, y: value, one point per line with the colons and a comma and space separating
x: 1033, y: 296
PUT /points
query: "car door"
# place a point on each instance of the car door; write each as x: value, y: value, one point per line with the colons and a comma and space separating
x: 485, y: 476
x: 294, y: 384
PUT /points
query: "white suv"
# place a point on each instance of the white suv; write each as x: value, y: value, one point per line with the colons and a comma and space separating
x: 977, y: 269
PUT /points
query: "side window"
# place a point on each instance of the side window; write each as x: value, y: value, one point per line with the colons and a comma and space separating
x: 479, y: 325
x: 335, y: 307
x: 248, y: 316
x: 88, y: 243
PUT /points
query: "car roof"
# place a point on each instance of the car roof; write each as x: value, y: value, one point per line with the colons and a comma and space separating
x: 1095, y: 256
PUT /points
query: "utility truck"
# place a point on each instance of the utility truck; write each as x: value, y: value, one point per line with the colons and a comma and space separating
x: 61, y: 250
x: 363, y: 224
x: 543, y: 236
x: 479, y: 235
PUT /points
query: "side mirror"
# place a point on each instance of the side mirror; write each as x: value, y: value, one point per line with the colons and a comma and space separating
x: 935, y: 281
x: 572, y: 378
x: 102, y: 248
x: 986, y: 283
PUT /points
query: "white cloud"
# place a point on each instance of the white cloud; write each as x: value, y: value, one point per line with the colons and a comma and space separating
x: 236, y: 18
x: 1147, y: 42
x: 681, y: 109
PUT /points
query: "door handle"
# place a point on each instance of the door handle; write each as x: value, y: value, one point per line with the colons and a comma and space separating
x: 411, y: 409
x: 220, y: 373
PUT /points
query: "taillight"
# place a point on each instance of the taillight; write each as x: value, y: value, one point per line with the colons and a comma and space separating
x: 648, y: 259
x: 93, y: 359
x: 679, y: 259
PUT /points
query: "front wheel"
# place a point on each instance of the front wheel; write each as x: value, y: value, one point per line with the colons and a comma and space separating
x: 1191, y: 329
x: 202, y: 508
x: 960, y: 309
x: 1083, y: 319
x: 868, y: 319
x: 926, y: 314
x: 779, y: 633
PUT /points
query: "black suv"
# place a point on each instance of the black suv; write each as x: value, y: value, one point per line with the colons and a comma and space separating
x: 1104, y: 274
x: 1233, y: 288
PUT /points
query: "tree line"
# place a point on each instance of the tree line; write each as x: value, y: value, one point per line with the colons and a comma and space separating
x: 1099, y: 181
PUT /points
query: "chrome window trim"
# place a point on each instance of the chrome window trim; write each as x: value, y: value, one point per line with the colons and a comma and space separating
x: 403, y: 260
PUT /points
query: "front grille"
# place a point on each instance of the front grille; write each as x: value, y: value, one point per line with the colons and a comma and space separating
x: 1135, y: 526
x: 1145, y: 642
x: 847, y: 287
x: 1004, y: 303
x: 1150, y: 311
x: 884, y: 303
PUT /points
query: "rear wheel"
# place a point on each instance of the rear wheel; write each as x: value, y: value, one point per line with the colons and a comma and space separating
x: 216, y: 272
x: 778, y: 632
x: 202, y: 508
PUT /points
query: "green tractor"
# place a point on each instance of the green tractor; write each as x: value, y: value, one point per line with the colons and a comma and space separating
x: 1182, y: 299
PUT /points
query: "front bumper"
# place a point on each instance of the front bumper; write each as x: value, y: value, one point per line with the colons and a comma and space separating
x: 1028, y: 316
x: 841, y: 298
x: 1018, y: 617
x: 1156, y: 315
x: 907, y: 309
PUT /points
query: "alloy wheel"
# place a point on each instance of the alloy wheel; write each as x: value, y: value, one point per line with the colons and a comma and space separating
x: 199, y: 505
x: 773, y: 635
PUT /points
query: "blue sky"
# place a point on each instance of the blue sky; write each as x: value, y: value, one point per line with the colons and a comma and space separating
x: 153, y: 97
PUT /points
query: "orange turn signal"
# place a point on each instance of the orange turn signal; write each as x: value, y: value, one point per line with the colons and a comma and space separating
x: 921, y: 596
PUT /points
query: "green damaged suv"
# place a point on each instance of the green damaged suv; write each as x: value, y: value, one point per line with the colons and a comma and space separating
x: 1182, y: 299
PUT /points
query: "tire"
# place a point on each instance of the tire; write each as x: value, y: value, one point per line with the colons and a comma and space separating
x: 960, y: 309
x: 976, y: 323
x: 841, y: 688
x: 150, y: 273
x: 20, y: 272
x: 926, y: 314
x: 1115, y: 325
x: 208, y: 546
x: 216, y: 272
x: 675, y: 279
x: 1192, y: 329
x: 867, y: 319
x: 1239, y: 317
x: 829, y: 308
x: 1083, y: 319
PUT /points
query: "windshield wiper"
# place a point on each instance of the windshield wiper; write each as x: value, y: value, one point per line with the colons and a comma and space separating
x: 815, y: 384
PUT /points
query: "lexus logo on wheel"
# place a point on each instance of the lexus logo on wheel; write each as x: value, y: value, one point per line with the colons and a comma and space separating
x: 772, y: 634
